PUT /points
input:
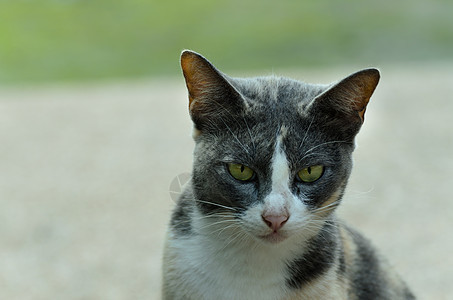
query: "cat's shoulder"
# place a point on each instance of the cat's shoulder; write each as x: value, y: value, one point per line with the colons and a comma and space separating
x: 369, y: 274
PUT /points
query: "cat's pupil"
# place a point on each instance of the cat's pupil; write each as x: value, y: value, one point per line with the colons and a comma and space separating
x: 309, y: 170
x: 242, y: 168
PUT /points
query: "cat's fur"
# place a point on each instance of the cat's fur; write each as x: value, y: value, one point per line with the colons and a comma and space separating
x: 220, y: 243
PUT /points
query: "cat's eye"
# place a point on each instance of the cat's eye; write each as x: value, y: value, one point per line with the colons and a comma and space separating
x: 311, y: 174
x: 240, y: 172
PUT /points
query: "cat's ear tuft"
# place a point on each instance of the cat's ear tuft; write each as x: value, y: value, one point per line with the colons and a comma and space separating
x: 352, y: 94
x: 210, y: 93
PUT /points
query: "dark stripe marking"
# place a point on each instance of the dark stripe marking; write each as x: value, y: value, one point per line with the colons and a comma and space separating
x: 320, y: 257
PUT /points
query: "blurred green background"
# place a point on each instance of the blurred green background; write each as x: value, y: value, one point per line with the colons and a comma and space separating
x: 79, y: 40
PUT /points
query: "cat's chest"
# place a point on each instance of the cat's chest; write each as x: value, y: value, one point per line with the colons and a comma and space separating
x: 215, y: 269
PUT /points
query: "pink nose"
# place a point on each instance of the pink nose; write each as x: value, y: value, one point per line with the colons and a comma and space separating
x: 275, y: 222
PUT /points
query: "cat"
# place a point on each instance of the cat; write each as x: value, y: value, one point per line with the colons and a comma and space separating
x: 257, y: 220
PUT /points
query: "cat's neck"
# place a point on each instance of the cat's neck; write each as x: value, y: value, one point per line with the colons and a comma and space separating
x: 226, y: 263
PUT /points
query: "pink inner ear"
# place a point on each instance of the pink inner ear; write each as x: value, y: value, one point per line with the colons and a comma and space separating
x: 368, y: 83
x: 362, y: 114
x: 353, y: 93
x: 188, y: 65
x: 200, y: 75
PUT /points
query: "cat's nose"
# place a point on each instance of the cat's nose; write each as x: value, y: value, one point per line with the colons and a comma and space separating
x: 275, y: 222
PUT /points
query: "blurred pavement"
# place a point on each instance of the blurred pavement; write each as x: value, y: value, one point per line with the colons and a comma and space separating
x: 85, y: 172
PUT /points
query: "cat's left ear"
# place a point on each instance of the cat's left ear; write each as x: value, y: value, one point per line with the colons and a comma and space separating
x: 351, y: 95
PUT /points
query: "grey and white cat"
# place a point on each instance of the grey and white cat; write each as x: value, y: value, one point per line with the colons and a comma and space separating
x: 271, y: 163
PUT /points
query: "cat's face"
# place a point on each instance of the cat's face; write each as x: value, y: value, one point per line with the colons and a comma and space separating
x: 272, y: 155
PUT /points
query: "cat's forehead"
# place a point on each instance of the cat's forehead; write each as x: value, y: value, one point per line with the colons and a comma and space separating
x: 276, y: 105
x: 275, y: 92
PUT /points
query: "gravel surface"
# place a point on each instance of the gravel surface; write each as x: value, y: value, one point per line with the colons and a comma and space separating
x: 85, y: 173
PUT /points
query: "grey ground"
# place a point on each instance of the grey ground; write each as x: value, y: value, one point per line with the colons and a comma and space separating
x: 85, y: 173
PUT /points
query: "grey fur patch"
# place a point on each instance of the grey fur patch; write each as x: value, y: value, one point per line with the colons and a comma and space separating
x: 181, y: 220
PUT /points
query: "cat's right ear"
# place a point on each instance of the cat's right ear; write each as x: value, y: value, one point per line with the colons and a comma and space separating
x: 351, y: 95
x: 342, y: 106
x: 211, y: 96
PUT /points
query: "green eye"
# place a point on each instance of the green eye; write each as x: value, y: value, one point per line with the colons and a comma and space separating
x: 311, y: 174
x: 240, y: 172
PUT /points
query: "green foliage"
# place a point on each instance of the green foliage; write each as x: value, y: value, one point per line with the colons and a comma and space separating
x: 55, y: 40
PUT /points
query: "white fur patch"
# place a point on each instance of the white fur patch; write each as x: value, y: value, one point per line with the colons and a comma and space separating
x: 224, y: 262
x: 280, y: 169
x: 278, y: 201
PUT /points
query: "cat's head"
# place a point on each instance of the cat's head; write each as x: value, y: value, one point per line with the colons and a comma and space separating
x: 272, y: 155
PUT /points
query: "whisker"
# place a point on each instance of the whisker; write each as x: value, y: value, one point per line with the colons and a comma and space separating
x: 323, y: 226
x: 217, y: 223
x: 309, y: 151
x: 219, y: 231
x: 306, y: 133
x: 323, y: 144
x: 250, y: 133
x: 235, y: 137
x: 232, y: 239
x: 311, y: 229
x: 355, y: 194
x: 216, y: 204
x: 321, y: 222
x: 242, y: 236
x: 211, y: 216
x: 327, y: 207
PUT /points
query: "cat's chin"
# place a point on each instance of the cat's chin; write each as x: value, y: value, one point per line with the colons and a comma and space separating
x: 273, y: 238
